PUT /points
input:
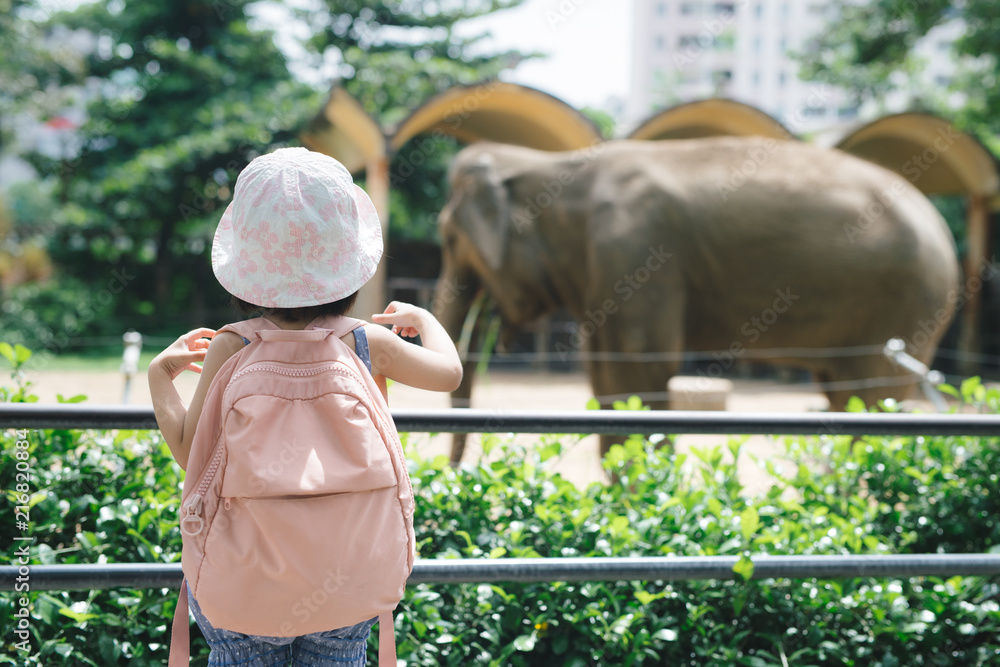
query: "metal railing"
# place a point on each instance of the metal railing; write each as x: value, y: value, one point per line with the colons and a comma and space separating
x: 466, y: 420
x: 541, y: 570
x: 146, y: 575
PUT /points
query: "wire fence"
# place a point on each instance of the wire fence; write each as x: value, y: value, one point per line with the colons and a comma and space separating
x: 577, y: 355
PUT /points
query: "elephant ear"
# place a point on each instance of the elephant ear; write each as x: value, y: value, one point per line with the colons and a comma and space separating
x: 486, y: 210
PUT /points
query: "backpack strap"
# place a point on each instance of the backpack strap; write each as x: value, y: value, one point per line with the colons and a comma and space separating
x: 340, y: 326
x: 247, y: 328
x: 386, y: 641
x: 180, y: 631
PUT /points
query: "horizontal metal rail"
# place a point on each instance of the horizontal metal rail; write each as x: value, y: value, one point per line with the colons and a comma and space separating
x: 463, y: 420
x: 543, y: 570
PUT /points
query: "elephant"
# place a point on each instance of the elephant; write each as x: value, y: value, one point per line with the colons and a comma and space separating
x: 722, y: 244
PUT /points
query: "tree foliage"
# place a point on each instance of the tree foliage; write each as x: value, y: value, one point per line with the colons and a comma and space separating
x: 869, y: 48
x: 394, y: 54
x: 181, y: 95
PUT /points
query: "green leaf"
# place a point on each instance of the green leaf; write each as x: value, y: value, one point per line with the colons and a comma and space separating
x: 645, y: 597
x: 21, y: 354
x: 714, y: 506
x: 7, y: 352
x: 855, y: 404
x: 950, y: 390
x: 969, y: 387
x: 665, y: 634
x: 525, y: 643
x: 77, y: 616
x: 749, y: 522
x: 744, y: 567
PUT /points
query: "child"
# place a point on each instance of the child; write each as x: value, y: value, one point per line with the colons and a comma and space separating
x: 296, y: 243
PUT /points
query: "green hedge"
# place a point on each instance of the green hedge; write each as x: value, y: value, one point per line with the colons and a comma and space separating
x: 113, y: 497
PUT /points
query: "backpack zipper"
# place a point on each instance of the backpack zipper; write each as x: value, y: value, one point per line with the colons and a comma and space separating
x: 265, y: 367
x: 194, y: 504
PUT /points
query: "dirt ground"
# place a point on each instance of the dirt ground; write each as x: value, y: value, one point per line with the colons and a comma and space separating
x: 511, y: 391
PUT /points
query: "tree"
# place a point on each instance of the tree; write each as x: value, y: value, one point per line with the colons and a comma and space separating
x: 181, y: 95
x: 394, y: 55
x: 868, y: 48
x: 30, y: 71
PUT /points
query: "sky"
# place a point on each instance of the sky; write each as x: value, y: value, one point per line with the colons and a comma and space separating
x: 588, y: 42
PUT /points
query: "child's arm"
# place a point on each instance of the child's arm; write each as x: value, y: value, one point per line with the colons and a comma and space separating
x: 176, y: 422
x: 433, y: 365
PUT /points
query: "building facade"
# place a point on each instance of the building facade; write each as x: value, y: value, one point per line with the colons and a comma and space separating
x: 685, y: 50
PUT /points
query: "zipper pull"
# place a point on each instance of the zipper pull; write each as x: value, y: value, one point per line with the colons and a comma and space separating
x: 192, y: 523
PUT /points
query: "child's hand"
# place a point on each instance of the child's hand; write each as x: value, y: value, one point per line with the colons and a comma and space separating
x: 184, y: 352
x: 406, y: 319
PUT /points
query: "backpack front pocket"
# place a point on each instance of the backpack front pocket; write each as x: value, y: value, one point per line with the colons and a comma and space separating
x: 296, y: 451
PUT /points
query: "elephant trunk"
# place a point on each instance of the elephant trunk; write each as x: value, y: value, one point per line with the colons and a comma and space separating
x: 454, y: 296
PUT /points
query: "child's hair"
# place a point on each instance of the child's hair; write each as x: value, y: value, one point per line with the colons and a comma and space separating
x: 303, y: 314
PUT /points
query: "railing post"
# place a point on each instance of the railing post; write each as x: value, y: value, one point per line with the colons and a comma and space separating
x: 130, y: 360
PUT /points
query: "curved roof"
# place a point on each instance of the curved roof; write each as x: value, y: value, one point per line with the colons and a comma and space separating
x: 929, y: 152
x: 503, y: 112
x: 710, y: 118
x: 344, y: 130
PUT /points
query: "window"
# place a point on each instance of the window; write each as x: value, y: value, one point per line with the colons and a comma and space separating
x: 689, y: 77
x: 847, y: 112
x: 759, y: 9
x: 695, y: 41
x: 658, y: 42
x: 661, y: 9
x: 689, y: 8
x: 756, y: 78
x: 756, y: 45
x: 782, y: 79
x: 814, y: 112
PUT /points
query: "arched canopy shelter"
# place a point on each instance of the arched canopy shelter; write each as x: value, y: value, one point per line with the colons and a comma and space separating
x: 344, y: 131
x: 710, y: 118
x: 939, y: 160
x: 503, y: 112
x: 929, y: 152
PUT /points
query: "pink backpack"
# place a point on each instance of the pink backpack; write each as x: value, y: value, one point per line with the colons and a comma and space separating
x: 297, y: 510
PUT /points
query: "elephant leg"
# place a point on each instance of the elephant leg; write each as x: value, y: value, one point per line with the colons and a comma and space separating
x: 871, y: 379
x: 613, y: 378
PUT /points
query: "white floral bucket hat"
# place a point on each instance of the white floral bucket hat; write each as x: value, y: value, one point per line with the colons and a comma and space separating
x: 298, y: 232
